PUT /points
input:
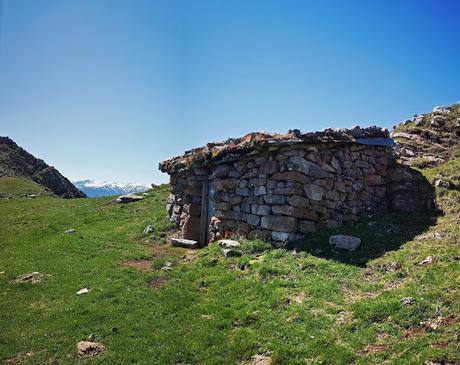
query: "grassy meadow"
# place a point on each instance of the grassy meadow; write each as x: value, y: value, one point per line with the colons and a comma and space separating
x: 150, y: 303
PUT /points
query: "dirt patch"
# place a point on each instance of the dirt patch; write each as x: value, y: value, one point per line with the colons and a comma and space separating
x: 17, y: 359
x: 157, y: 282
x: 431, y: 325
x: 374, y: 349
x: 142, y: 265
x: 89, y: 348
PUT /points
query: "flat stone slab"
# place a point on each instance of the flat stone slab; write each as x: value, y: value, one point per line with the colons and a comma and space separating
x: 182, y: 242
x: 349, y: 243
x: 128, y: 198
x: 229, y: 243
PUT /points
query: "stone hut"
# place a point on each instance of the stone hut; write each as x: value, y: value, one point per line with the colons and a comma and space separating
x: 279, y: 187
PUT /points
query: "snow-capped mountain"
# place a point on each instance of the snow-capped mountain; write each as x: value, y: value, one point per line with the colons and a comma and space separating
x: 94, y: 188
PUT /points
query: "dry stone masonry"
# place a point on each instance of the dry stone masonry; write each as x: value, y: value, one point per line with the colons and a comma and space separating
x: 280, y: 187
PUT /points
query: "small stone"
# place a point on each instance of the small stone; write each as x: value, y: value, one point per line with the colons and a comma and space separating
x: 83, y: 291
x: 349, y: 243
x: 70, y: 231
x: 229, y: 243
x: 443, y: 184
x: 408, y: 300
x: 32, y: 277
x: 148, y: 229
x: 182, y: 242
x: 427, y: 261
x: 89, y: 348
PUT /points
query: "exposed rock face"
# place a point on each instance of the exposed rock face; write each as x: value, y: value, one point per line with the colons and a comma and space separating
x: 284, y: 189
x: 16, y: 162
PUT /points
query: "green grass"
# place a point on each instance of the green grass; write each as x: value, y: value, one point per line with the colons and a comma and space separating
x: 295, y: 306
x: 17, y: 186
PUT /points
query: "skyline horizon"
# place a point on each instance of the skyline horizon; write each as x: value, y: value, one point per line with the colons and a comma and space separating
x: 166, y: 176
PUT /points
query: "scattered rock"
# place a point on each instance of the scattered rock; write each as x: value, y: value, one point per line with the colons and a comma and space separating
x: 349, y: 243
x: 148, y: 229
x: 167, y: 266
x: 444, y: 184
x: 32, y: 277
x: 70, y: 231
x: 128, y: 198
x: 408, y: 300
x: 229, y: 243
x: 83, y: 291
x: 427, y: 261
x: 89, y: 348
x: 440, y: 110
x: 230, y: 252
x: 182, y: 242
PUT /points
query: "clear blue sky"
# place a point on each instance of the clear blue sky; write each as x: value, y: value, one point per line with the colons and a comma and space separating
x: 107, y: 89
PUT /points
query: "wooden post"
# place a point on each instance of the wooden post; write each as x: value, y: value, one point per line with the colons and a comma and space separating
x: 204, y: 215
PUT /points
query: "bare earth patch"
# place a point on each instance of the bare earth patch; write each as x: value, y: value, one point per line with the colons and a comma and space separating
x: 17, y: 359
x: 159, y: 281
x: 431, y: 325
x: 142, y: 265
x: 374, y: 349
x: 89, y: 348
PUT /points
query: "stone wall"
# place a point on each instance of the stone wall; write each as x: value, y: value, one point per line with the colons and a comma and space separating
x: 282, y: 193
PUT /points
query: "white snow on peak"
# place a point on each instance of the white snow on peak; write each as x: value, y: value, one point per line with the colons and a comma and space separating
x: 95, y: 188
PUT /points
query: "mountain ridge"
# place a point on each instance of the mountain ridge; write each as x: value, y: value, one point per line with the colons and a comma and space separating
x: 17, y: 162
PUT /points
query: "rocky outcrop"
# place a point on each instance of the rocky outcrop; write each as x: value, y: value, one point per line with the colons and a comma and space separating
x: 16, y: 162
x: 429, y: 139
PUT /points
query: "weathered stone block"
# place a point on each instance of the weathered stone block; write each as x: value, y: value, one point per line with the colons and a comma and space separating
x: 242, y: 191
x: 279, y: 223
x: 290, y: 176
x: 298, y: 201
x: 275, y: 199
x: 260, y: 209
x: 374, y: 180
x: 306, y: 226
x: 314, y: 192
x: 253, y: 220
x: 280, y: 236
x: 260, y: 190
x: 225, y: 184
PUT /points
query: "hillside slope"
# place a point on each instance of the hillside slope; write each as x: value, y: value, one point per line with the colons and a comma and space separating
x: 429, y: 139
x: 17, y: 162
x: 430, y: 142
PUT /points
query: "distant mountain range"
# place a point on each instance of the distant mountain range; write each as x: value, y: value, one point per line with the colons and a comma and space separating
x: 95, y: 189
